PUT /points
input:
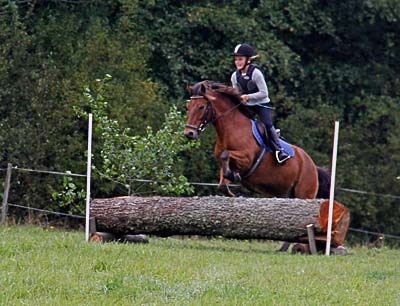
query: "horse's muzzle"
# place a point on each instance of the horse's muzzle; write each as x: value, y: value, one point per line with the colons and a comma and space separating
x: 191, y: 134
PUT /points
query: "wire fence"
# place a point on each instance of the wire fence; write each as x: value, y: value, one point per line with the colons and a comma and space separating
x: 47, y: 211
x: 68, y: 173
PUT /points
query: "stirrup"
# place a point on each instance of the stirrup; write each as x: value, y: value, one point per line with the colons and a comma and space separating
x: 280, y: 161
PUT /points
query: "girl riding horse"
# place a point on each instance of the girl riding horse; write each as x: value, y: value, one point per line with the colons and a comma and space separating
x: 237, y: 151
x: 249, y: 80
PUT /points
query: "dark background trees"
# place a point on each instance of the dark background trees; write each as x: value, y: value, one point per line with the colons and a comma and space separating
x: 324, y: 61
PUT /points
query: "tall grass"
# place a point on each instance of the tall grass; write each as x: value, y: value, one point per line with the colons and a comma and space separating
x: 49, y: 267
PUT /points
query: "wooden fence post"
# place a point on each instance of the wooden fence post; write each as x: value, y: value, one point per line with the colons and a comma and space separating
x: 5, y: 196
x: 311, y: 239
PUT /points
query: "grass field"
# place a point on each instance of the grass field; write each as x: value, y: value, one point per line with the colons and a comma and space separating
x: 50, y: 267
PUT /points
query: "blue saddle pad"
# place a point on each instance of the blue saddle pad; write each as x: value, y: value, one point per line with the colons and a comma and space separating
x: 286, y: 146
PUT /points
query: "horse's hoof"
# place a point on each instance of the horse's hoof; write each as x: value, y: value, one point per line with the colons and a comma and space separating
x: 230, y: 176
x: 225, y: 190
x: 237, y: 178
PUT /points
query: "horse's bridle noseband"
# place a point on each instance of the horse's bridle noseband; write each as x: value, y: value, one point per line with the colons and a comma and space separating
x: 206, y: 120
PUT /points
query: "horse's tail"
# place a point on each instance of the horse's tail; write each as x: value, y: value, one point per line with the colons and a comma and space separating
x: 324, y: 182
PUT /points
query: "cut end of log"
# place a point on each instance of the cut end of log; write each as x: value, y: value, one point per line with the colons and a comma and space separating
x: 102, y: 237
x: 340, y: 221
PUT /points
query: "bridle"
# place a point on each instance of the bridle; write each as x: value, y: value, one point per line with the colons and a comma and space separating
x: 207, y: 119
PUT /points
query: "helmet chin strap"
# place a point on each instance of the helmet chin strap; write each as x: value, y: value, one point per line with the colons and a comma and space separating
x: 248, y: 62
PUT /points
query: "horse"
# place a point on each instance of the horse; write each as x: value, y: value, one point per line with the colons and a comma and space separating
x: 238, y: 152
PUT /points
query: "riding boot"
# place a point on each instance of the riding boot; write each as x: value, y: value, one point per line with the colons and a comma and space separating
x: 280, y: 154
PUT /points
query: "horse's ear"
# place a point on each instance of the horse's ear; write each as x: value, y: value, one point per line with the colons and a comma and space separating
x: 189, y: 88
x: 206, y: 93
x: 203, y: 89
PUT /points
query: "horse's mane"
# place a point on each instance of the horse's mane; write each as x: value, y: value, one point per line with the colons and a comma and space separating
x: 232, y: 93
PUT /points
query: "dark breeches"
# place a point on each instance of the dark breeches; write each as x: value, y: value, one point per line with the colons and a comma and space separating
x: 265, y: 115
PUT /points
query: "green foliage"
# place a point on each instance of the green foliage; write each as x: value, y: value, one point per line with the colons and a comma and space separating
x: 309, y: 127
x: 43, y: 64
x: 323, y: 61
x: 127, y: 158
x: 71, y: 197
x: 370, y: 150
x: 209, y: 32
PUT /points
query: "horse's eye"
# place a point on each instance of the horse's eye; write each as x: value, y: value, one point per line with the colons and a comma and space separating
x: 201, y: 107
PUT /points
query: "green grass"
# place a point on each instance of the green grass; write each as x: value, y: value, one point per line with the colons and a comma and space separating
x: 50, y: 267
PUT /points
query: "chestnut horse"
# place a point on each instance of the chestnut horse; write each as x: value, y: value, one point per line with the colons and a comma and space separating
x: 237, y: 150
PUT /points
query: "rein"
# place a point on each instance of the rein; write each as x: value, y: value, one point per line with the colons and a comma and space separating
x: 205, y: 121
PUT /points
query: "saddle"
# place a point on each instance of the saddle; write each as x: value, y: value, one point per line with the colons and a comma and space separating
x: 260, y: 135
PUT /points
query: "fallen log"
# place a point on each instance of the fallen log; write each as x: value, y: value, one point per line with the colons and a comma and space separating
x: 240, y: 218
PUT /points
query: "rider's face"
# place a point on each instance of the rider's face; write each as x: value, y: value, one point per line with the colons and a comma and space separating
x: 240, y: 62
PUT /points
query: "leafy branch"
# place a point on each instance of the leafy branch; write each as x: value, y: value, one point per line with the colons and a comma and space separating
x: 126, y: 157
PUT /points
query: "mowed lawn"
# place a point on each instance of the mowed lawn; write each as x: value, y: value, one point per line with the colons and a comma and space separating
x: 51, y: 267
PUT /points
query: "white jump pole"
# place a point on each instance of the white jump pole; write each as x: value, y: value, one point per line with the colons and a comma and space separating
x: 332, y: 190
x: 88, y: 177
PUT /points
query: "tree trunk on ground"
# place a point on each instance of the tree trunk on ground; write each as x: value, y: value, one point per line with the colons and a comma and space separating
x: 241, y: 218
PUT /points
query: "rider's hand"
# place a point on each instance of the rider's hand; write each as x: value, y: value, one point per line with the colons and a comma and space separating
x: 244, y: 99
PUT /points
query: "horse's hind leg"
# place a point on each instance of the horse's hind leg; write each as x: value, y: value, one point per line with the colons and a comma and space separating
x: 307, y: 187
x: 285, y: 246
x: 226, y: 170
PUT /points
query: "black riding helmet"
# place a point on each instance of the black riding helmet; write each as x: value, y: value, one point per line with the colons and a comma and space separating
x: 244, y: 50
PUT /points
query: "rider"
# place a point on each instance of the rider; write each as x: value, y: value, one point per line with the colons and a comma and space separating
x: 249, y: 80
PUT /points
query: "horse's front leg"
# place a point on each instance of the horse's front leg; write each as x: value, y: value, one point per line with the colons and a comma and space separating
x: 233, y: 176
x: 223, y: 185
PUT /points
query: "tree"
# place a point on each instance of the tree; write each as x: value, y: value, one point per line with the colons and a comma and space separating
x: 128, y: 158
x: 48, y: 51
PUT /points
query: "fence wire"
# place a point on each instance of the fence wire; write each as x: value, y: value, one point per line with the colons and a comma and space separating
x: 47, y: 211
x: 67, y: 173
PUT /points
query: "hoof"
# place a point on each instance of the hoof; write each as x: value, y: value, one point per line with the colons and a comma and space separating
x: 301, y: 248
x: 237, y: 178
x: 233, y: 177
x: 222, y: 188
x: 340, y: 250
x: 225, y: 190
